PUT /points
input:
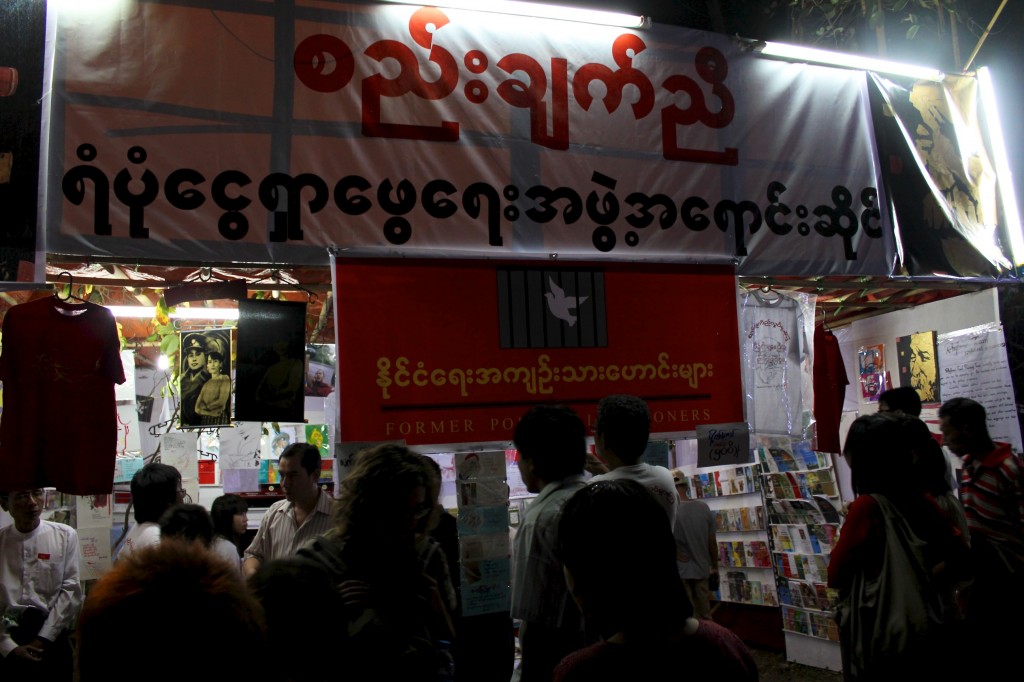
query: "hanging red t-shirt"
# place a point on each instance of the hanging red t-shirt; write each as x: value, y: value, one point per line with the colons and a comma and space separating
x: 59, y: 364
x: 830, y: 383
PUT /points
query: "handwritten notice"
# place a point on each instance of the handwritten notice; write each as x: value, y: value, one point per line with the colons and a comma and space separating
x: 125, y: 468
x: 485, y: 586
x: 179, y: 450
x: 719, y: 444
x: 477, y: 547
x: 974, y: 365
x: 240, y: 446
x: 483, y: 520
x: 471, y: 466
x: 94, y: 511
x: 128, y: 429
x: 94, y: 560
x: 484, y: 492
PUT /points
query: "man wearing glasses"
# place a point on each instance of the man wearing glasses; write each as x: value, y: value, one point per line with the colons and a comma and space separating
x: 155, y: 488
x: 40, y: 593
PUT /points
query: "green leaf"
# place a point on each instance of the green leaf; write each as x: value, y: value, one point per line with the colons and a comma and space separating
x: 912, y: 31
x: 899, y: 5
x: 173, y: 344
x: 877, y: 19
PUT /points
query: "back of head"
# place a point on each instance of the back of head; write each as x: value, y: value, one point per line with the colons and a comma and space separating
x: 298, y: 598
x: 965, y: 413
x: 307, y: 455
x: 223, y: 511
x: 373, y: 497
x: 904, y: 399
x: 879, y: 449
x: 624, y: 422
x: 617, y: 544
x: 176, y: 595
x: 929, y: 462
x: 154, y: 489
x: 554, y: 438
x: 189, y: 522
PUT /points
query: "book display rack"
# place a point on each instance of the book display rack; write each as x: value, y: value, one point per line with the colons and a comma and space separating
x: 802, y: 504
x: 744, y: 554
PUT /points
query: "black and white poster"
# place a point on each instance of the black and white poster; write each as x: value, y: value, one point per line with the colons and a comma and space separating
x: 204, y: 378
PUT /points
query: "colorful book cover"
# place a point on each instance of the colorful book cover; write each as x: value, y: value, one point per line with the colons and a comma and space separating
x: 762, y: 556
x: 783, y: 541
x: 756, y: 592
x: 745, y: 519
x: 828, y: 509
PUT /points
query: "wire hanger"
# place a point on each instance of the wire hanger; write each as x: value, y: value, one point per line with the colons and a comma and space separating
x: 275, y: 276
x: 71, y: 284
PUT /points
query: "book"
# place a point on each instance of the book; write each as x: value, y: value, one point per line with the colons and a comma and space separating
x: 829, y: 511
x: 761, y: 555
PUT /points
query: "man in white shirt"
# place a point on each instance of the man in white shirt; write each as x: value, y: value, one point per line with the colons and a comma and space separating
x: 40, y: 593
x: 620, y: 435
x: 300, y: 518
x: 552, y: 448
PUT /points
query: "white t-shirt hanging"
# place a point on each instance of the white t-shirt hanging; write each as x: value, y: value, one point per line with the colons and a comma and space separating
x: 773, y: 344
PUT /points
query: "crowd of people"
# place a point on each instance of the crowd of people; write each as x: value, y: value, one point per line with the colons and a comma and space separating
x: 611, y: 574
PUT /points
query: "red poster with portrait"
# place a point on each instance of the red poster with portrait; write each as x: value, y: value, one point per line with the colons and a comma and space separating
x: 439, y: 352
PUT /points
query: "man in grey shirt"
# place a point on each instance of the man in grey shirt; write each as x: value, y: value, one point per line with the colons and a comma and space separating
x: 696, y: 548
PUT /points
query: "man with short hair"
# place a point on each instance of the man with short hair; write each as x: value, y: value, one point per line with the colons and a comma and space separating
x: 696, y: 548
x: 40, y: 593
x: 552, y: 448
x: 901, y: 400
x: 300, y: 518
x: 620, y: 435
x: 156, y: 487
x: 905, y: 400
x: 992, y: 493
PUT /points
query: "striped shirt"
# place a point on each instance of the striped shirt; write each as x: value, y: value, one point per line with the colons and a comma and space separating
x: 279, y: 535
x: 992, y: 492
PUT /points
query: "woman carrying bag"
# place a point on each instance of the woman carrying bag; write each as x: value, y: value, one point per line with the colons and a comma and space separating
x: 896, y: 563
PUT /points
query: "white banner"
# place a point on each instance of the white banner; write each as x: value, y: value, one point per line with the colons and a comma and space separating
x: 273, y: 131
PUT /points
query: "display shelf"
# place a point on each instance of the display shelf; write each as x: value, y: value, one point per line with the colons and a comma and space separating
x: 745, y: 567
x: 802, y: 505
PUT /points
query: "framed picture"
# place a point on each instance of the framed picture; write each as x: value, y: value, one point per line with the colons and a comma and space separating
x: 204, y: 378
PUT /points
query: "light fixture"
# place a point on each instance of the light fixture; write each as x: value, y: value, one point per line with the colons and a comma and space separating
x: 800, y: 53
x: 1002, y: 162
x: 533, y: 9
x: 163, y: 362
x: 149, y: 312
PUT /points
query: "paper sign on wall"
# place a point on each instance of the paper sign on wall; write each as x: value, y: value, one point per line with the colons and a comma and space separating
x: 95, y: 559
x: 240, y: 446
x: 179, y: 451
x: 720, y: 444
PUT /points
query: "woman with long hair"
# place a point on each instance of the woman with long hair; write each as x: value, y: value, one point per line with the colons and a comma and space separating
x: 894, y: 543
x: 230, y: 521
x: 395, y: 613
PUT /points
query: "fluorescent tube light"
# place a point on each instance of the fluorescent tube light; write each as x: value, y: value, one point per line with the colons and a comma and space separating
x: 532, y: 9
x: 148, y: 312
x: 800, y: 53
x: 1003, y: 173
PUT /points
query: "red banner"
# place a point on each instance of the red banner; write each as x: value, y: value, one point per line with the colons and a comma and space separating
x: 437, y: 352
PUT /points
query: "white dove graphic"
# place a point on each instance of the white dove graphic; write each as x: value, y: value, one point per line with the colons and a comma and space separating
x: 560, y: 305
